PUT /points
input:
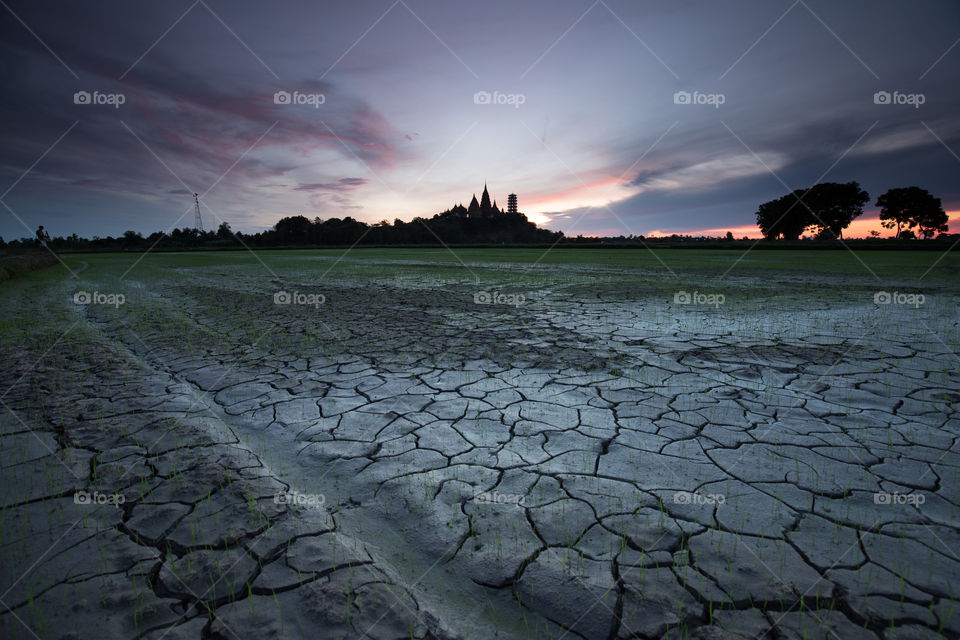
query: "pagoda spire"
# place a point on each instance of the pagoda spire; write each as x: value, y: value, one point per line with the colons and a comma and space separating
x: 474, y: 208
x: 485, y: 206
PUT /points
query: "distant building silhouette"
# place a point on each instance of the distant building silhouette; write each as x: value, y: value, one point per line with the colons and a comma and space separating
x: 483, y: 208
x: 479, y: 209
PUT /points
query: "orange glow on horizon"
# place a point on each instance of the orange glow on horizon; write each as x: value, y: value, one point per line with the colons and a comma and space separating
x: 599, y: 193
x: 859, y: 228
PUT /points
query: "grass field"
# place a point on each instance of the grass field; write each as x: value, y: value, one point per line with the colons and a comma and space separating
x: 482, y: 443
x: 881, y: 262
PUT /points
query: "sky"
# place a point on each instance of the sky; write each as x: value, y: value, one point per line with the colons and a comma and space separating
x: 605, y: 117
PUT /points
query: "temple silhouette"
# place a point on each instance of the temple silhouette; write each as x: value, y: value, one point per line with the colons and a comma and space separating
x: 481, y: 221
x: 483, y: 208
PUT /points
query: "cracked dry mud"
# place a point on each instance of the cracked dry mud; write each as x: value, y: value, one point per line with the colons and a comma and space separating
x: 597, y: 463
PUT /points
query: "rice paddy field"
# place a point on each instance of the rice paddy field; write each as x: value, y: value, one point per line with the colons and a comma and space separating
x: 482, y: 443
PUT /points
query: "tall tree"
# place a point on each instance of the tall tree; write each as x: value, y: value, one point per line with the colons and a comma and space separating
x: 912, y: 207
x: 786, y: 216
x: 834, y: 205
x: 295, y: 229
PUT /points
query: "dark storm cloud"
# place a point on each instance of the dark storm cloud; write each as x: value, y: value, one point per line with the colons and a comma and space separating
x: 174, y: 124
x: 197, y: 128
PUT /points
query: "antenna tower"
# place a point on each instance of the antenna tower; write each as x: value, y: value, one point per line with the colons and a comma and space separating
x: 197, y: 220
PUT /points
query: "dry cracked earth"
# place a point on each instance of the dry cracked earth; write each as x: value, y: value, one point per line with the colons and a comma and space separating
x: 400, y: 462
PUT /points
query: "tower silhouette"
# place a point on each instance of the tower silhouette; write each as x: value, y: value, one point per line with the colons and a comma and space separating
x: 512, y: 203
x: 197, y: 220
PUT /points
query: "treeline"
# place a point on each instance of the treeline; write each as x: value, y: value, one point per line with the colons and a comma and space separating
x: 826, y: 209
x: 444, y: 228
x: 447, y: 227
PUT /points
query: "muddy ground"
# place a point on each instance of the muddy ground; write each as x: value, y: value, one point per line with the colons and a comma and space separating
x: 384, y: 453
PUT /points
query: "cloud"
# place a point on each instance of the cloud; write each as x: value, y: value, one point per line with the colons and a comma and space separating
x: 906, y: 137
x: 199, y: 101
x: 710, y: 173
x: 194, y: 126
x: 343, y: 184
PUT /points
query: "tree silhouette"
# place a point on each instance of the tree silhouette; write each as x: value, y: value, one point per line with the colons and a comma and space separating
x: 828, y: 206
x: 786, y: 216
x: 132, y: 238
x: 912, y: 207
x: 834, y: 205
x: 292, y: 229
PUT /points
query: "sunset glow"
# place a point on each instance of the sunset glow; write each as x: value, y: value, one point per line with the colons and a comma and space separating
x: 381, y: 111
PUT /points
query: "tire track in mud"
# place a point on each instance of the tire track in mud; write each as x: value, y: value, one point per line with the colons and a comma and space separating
x: 447, y: 603
x: 182, y: 564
